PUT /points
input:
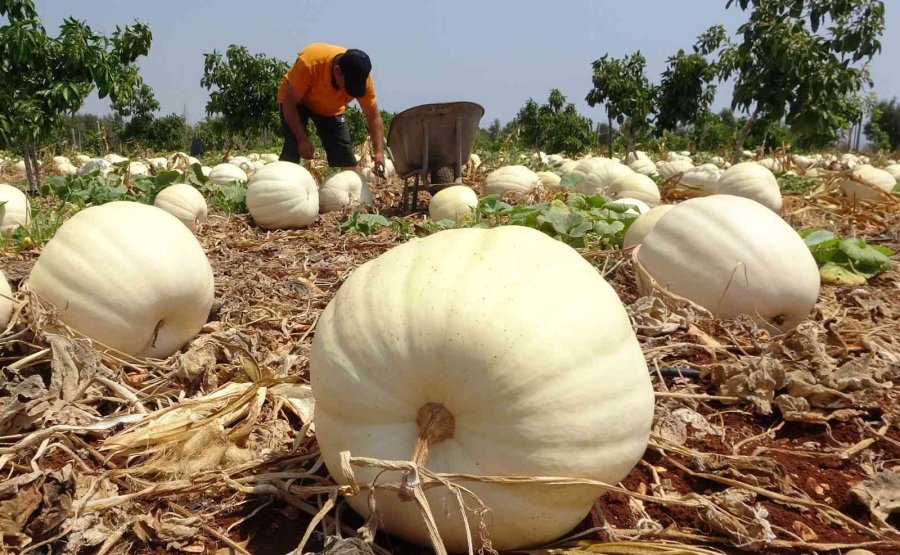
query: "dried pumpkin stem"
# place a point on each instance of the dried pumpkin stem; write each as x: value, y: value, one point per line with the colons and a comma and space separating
x: 436, y: 424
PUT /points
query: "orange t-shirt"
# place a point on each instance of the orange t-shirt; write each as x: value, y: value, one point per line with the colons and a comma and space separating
x: 311, y: 76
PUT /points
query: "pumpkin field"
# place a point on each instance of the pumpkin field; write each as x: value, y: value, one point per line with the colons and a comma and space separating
x: 772, y: 427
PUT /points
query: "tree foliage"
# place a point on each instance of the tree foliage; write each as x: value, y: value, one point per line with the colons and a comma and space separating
x: 243, y: 89
x: 622, y: 87
x: 798, y: 60
x: 884, y: 127
x: 686, y: 89
x: 43, y: 78
x: 554, y: 127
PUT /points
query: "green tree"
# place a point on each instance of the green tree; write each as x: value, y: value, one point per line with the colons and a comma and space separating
x: 243, y: 90
x: 686, y: 89
x: 628, y: 96
x: 44, y: 78
x: 555, y: 127
x: 883, y: 128
x: 139, y: 109
x: 789, y: 66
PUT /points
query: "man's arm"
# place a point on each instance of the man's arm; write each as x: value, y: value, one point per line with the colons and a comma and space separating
x: 289, y: 108
x: 376, y: 131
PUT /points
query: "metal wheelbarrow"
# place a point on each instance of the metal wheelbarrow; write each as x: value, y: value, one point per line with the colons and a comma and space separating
x: 431, y: 143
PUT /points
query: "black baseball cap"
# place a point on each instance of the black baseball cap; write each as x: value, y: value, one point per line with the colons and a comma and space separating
x: 355, y: 65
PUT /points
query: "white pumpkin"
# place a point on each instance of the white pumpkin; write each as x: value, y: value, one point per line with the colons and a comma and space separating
x: 82, y: 158
x: 223, y: 174
x: 753, y: 181
x: 282, y: 195
x: 705, y: 178
x: 114, y: 158
x: 635, y: 206
x: 733, y: 256
x: 138, y: 168
x: 516, y: 179
x: 672, y: 168
x: 454, y: 203
x: 7, y: 305
x: 549, y: 179
x: 128, y: 275
x: 600, y: 179
x: 880, y: 179
x: 184, y: 202
x: 14, y: 209
x: 634, y: 185
x: 567, y: 167
x: 460, y: 324
x: 268, y: 158
x: 894, y: 170
x: 159, y: 162
x: 771, y: 164
x: 239, y: 161
x: 643, y: 224
x: 644, y: 166
x: 555, y: 160
x: 97, y: 164
x: 342, y: 189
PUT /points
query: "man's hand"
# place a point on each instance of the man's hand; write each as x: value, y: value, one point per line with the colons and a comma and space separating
x: 378, y: 158
x: 306, y: 149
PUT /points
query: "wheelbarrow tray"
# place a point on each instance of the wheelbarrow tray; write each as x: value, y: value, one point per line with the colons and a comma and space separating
x: 448, y: 129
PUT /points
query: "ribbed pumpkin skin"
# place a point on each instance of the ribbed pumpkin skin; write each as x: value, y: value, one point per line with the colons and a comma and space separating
x: 537, y: 383
x: 342, y: 189
x: 15, y: 211
x: 634, y: 185
x: 6, y: 303
x: 223, y: 174
x: 453, y: 203
x: 515, y: 179
x: 879, y: 178
x: 124, y: 272
x: 184, y: 202
x: 283, y: 195
x: 753, y: 181
x: 642, y: 226
x: 733, y: 256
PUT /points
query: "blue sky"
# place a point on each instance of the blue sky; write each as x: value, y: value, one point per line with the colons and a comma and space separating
x: 498, y: 54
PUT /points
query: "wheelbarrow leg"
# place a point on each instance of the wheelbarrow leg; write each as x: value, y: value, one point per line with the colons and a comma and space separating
x: 405, y: 197
x: 457, y: 170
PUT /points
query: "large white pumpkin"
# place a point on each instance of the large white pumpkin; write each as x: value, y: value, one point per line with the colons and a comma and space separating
x: 549, y: 179
x: 283, y: 195
x: 128, y: 275
x: 223, y: 174
x: 705, y: 178
x: 634, y: 185
x: 537, y: 385
x: 6, y: 302
x: 516, y: 179
x: 753, y: 181
x: 342, y: 189
x: 881, y: 179
x: 14, y: 209
x: 644, y: 166
x: 184, y: 202
x: 601, y: 178
x: 733, y: 256
x: 454, y: 203
x: 673, y: 167
x: 894, y: 170
x: 643, y: 224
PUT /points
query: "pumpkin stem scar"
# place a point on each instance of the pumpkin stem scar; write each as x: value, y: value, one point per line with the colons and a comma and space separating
x: 436, y: 424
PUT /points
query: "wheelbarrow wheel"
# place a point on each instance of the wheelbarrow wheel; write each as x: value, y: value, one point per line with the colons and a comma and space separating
x: 442, y: 175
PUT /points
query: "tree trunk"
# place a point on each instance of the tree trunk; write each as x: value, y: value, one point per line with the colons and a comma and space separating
x: 32, y: 170
x: 745, y: 132
x: 28, y: 173
x: 859, y: 133
x: 609, y: 137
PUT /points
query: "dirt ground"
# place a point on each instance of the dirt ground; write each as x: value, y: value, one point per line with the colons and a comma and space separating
x: 761, y: 445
